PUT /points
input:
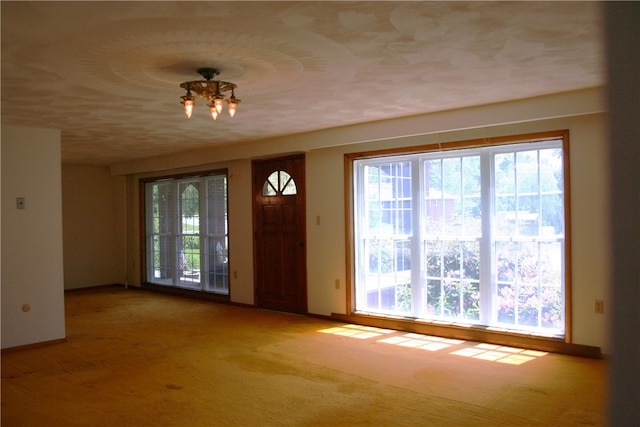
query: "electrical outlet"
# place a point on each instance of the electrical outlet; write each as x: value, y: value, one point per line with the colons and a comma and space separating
x: 598, y: 306
x: 337, y: 283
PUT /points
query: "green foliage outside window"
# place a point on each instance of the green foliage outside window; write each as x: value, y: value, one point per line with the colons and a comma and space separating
x: 455, y: 292
x: 453, y: 286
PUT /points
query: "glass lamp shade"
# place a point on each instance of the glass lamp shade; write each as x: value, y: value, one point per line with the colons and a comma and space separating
x: 218, y: 104
x: 188, y: 103
x: 232, y: 108
x: 214, y: 111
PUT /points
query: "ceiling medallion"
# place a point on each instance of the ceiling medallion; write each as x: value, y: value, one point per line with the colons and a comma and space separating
x: 211, y: 90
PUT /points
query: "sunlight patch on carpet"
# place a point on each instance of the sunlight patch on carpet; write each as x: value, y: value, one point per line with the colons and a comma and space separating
x: 423, y: 342
x: 500, y: 354
x: 357, y: 331
x: 482, y: 351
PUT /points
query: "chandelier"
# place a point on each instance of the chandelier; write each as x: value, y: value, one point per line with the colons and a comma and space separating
x: 212, y: 91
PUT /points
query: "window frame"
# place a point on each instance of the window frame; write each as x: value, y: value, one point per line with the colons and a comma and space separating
x: 443, y: 327
x: 176, y: 179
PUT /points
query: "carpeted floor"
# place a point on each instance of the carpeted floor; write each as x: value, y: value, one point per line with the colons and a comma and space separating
x: 136, y: 358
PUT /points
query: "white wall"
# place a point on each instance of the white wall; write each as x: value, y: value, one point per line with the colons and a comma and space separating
x: 240, y: 232
x: 93, y: 225
x: 579, y: 112
x: 32, y: 263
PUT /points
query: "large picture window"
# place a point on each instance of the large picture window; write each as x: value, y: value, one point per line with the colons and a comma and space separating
x: 187, y: 233
x: 472, y: 236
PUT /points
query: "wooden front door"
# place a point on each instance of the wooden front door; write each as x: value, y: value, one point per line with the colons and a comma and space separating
x: 280, y: 254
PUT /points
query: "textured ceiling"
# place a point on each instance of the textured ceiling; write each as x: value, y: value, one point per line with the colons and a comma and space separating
x: 107, y: 73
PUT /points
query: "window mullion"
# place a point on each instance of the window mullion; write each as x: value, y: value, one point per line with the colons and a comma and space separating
x: 149, y: 203
x: 360, y: 255
x: 417, y: 257
x: 538, y: 243
x: 175, y: 232
x: 203, y: 232
x: 488, y: 287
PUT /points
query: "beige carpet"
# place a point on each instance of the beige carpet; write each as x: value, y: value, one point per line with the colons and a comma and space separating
x: 135, y: 358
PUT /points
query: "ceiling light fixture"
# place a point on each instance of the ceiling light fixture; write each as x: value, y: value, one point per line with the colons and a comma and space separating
x: 211, y: 90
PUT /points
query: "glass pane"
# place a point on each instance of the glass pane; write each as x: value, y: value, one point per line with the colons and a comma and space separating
x: 163, y: 258
x: 190, y: 253
x: 164, y: 202
x: 375, y: 261
x: 504, y: 165
x: 506, y: 304
x: 551, y: 170
x: 435, y: 209
x: 528, y: 262
x: 528, y: 305
x: 388, y: 200
x: 505, y: 201
x: 527, y: 172
x: 552, y: 308
x: 268, y: 189
x: 552, y: 214
x: 434, y: 300
x: 552, y: 189
x: 403, y: 255
x: 471, y: 300
x: 218, y: 257
x: 189, y: 207
x: 217, y: 205
x: 161, y: 248
x: 455, y: 267
x: 551, y: 264
x: 451, y: 298
x: 274, y: 180
x: 452, y: 196
x: 284, y: 178
x: 290, y: 188
x: 527, y: 217
x: 505, y: 256
x: 403, y: 298
x: 433, y: 252
x: 471, y: 196
x: 216, y: 245
x: 471, y: 260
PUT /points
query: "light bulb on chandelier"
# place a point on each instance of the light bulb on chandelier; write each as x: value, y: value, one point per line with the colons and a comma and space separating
x: 209, y: 90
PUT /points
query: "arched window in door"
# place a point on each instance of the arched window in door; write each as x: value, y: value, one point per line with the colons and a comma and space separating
x: 279, y: 183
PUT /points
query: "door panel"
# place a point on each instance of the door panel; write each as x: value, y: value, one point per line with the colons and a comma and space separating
x: 280, y: 234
